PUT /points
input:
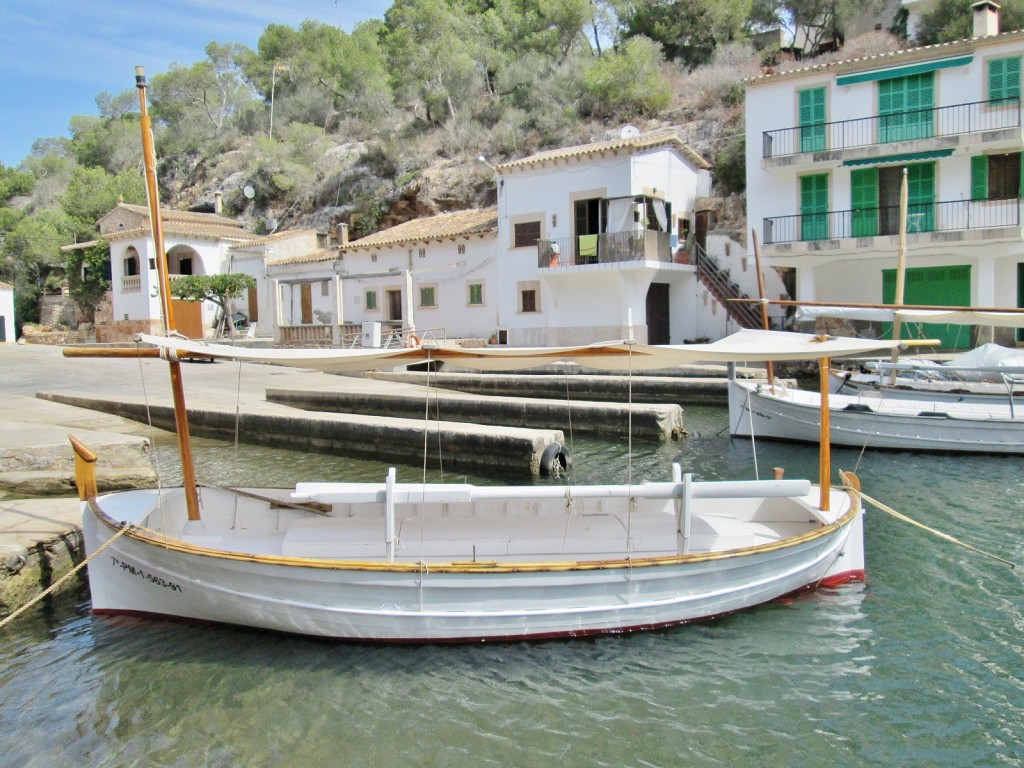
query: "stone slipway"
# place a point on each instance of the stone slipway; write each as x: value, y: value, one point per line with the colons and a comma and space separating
x: 467, y: 447
x: 657, y: 422
x: 707, y: 389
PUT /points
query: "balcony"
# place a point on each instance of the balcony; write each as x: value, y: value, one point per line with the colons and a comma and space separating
x: 609, y: 248
x: 998, y: 121
x: 955, y: 215
x: 131, y: 283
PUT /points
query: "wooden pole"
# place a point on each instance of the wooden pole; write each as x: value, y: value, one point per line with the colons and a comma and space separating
x: 901, y: 271
x: 85, y: 470
x: 824, y: 439
x: 156, y: 227
x: 770, y: 367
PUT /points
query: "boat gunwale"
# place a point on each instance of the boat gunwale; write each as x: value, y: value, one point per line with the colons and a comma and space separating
x: 148, y: 536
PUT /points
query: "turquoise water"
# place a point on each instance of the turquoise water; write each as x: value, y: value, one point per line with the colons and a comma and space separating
x: 923, y: 666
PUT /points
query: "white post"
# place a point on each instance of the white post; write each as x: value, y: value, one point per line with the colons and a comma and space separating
x: 389, y: 515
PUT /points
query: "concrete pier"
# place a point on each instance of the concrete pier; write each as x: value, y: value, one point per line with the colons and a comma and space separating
x: 657, y: 422
x: 683, y: 390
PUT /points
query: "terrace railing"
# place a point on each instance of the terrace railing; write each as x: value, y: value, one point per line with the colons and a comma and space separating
x: 975, y: 117
x: 644, y: 245
x: 868, y: 222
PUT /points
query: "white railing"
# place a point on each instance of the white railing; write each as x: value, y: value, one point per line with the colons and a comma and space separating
x: 131, y: 283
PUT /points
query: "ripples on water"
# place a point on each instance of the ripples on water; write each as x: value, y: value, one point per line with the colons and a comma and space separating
x: 922, y: 667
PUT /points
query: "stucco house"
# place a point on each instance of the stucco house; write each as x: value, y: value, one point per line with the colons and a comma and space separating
x: 196, y: 244
x: 6, y: 312
x: 827, y: 147
x: 586, y: 243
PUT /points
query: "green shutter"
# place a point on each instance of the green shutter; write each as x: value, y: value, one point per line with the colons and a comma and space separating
x: 906, y: 108
x: 864, y: 194
x: 814, y: 207
x: 1004, y: 79
x: 979, y: 177
x: 812, y: 120
x: 939, y: 286
x: 920, y: 197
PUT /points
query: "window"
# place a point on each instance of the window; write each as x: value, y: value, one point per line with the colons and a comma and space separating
x: 906, y: 107
x: 131, y: 265
x: 476, y: 294
x: 529, y: 300
x: 325, y: 287
x: 527, y: 234
x: 996, y: 177
x: 875, y: 194
x: 812, y: 120
x: 814, y: 207
x: 427, y: 298
x: 423, y: 253
x: 462, y: 248
x: 371, y: 300
x: 1004, y: 79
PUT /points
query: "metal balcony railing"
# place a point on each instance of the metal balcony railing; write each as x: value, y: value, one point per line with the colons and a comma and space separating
x: 869, y: 222
x: 955, y: 120
x: 643, y: 245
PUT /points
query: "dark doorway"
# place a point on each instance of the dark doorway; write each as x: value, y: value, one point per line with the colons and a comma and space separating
x: 658, y: 330
x: 394, y: 305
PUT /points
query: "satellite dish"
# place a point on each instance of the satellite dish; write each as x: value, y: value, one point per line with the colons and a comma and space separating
x: 249, y: 191
x: 629, y: 132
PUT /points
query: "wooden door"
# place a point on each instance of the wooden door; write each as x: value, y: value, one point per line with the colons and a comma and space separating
x: 188, y: 317
x: 307, y: 304
x: 658, y: 327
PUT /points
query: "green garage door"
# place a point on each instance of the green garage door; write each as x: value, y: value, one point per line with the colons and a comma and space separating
x: 940, y: 286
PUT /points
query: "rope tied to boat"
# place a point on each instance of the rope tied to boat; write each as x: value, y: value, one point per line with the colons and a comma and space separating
x: 952, y: 539
x: 125, y: 527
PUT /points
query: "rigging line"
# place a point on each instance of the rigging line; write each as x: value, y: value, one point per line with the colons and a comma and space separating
x: 900, y: 516
x: 572, y: 446
x: 629, y: 452
x: 153, y: 452
x: 50, y: 589
x: 437, y: 413
x: 238, y: 406
x: 753, y: 445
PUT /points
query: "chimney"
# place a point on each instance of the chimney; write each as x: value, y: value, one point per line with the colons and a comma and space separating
x: 986, y: 18
x: 343, y: 235
x: 218, y: 202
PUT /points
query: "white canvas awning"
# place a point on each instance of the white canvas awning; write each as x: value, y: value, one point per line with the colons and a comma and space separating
x: 743, y: 346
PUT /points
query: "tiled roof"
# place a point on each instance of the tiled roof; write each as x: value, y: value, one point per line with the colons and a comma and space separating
x: 892, y: 58
x: 444, y: 225
x: 80, y: 246
x: 326, y: 254
x: 273, y: 238
x: 168, y: 215
x: 650, y: 140
x: 183, y: 229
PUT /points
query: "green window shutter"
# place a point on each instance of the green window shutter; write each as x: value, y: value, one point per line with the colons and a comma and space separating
x: 814, y: 207
x: 920, y: 197
x: 979, y: 177
x: 1004, y: 79
x: 812, y: 120
x: 906, y: 107
x: 864, y: 194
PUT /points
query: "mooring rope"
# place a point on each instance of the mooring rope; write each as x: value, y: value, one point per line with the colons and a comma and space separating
x: 65, y: 577
x: 900, y: 516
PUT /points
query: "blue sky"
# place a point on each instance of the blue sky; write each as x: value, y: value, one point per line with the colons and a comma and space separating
x: 56, y: 56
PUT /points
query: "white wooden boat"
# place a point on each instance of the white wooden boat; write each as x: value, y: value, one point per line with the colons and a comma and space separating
x: 876, y: 421
x: 419, y: 562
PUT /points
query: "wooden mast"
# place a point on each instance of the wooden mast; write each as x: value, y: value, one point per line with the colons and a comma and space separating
x: 901, y: 270
x: 824, y: 439
x: 156, y: 224
x: 770, y: 367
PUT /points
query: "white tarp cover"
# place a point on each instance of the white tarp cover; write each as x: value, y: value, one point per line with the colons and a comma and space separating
x: 881, y: 314
x: 743, y: 346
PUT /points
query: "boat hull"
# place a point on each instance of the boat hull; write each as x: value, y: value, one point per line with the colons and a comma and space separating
x: 874, y: 422
x: 458, y: 603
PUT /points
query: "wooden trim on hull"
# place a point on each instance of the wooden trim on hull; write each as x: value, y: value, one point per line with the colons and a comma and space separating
x: 152, y: 538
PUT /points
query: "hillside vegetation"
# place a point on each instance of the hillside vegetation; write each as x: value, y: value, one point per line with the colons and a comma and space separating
x: 386, y: 123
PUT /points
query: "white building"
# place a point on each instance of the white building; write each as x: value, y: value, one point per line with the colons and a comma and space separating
x: 587, y: 243
x: 827, y: 146
x: 6, y: 312
x: 196, y: 244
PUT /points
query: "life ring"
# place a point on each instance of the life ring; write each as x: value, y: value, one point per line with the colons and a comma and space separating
x: 412, y: 341
x: 555, y: 460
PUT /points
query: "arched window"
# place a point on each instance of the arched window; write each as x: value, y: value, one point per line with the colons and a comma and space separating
x: 131, y: 262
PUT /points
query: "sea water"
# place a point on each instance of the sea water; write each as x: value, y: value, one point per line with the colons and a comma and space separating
x: 922, y: 666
